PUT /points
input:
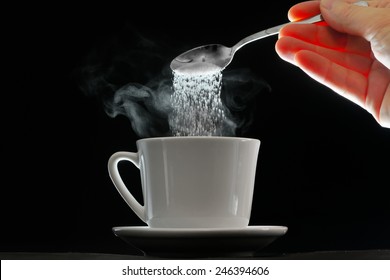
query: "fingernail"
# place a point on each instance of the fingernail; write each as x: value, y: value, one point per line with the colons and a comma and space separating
x: 361, y: 3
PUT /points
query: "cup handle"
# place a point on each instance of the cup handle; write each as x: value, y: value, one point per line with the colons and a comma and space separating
x: 118, y: 182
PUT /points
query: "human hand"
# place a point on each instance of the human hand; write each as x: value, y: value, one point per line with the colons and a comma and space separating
x: 350, y: 54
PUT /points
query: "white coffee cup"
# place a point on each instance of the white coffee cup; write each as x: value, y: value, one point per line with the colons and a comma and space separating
x: 192, y: 182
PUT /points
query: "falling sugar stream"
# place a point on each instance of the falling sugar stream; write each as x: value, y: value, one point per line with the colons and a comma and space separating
x: 197, y: 105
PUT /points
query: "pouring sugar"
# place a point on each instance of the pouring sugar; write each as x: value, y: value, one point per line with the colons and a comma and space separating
x: 196, y: 101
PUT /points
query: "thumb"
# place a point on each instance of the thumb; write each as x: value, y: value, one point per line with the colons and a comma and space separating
x: 371, y: 23
x: 346, y: 17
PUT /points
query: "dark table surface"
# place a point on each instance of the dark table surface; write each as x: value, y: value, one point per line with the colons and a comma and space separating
x: 317, y: 255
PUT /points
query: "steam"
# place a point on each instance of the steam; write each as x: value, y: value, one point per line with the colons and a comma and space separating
x: 240, y: 88
x: 146, y: 108
x: 132, y: 78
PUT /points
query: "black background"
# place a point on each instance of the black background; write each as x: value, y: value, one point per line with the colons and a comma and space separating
x: 323, y: 167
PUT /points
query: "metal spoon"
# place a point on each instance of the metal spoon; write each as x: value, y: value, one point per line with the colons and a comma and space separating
x: 217, y: 57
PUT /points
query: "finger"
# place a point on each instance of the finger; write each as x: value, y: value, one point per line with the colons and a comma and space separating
x: 378, y: 87
x: 379, y: 3
x: 304, y: 10
x: 384, y: 114
x: 288, y: 47
x: 326, y: 37
x: 350, y: 84
x: 348, y: 18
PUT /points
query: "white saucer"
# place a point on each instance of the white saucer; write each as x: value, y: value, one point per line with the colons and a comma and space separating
x: 186, y: 242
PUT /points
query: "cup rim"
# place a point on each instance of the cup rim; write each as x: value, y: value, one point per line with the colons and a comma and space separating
x: 211, y: 138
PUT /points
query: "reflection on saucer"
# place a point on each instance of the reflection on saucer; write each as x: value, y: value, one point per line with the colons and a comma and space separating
x: 184, y: 242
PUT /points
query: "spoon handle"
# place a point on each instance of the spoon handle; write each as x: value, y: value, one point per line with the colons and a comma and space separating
x: 275, y: 30
x: 272, y: 31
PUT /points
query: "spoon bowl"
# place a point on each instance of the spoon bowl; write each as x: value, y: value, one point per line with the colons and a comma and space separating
x: 207, y: 57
